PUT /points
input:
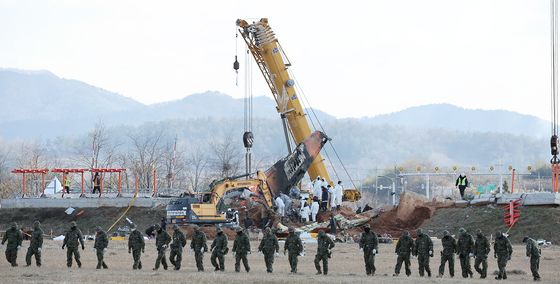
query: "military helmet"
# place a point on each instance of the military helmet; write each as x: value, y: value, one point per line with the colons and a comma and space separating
x: 291, y: 229
x: 478, y: 231
x: 239, y: 229
x: 462, y: 230
x: 98, y: 229
x: 196, y: 227
x: 321, y: 233
x: 267, y: 230
x: 175, y: 227
x: 498, y: 234
x: 406, y: 233
x: 14, y: 225
x: 445, y: 233
x: 36, y: 224
x: 419, y: 232
x: 73, y: 224
x: 157, y: 226
x: 219, y: 229
x: 133, y: 226
x: 525, y: 239
x: 366, y: 226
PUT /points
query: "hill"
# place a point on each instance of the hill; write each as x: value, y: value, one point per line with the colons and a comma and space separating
x: 41, y: 95
x: 446, y: 116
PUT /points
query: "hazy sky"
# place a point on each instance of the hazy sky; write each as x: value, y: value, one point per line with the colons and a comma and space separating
x: 352, y: 58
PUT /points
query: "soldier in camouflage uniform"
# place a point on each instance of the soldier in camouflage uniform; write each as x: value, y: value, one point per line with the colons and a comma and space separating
x: 14, y: 238
x: 502, y: 251
x: 269, y: 246
x: 100, y: 246
x: 294, y: 246
x: 35, y: 245
x: 466, y: 251
x: 481, y: 251
x: 179, y: 242
x: 219, y: 250
x: 534, y: 252
x: 369, y: 244
x: 72, y: 239
x: 405, y: 247
x: 162, y: 242
x: 448, y: 254
x: 423, y: 249
x: 198, y: 244
x: 241, y: 247
x: 136, y: 245
x: 324, y: 246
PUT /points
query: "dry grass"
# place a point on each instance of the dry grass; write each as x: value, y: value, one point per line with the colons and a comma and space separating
x: 345, y: 267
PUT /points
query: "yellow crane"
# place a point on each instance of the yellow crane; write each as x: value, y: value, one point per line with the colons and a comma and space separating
x: 273, y: 64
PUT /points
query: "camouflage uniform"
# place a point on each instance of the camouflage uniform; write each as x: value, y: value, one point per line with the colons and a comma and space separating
x: 369, y: 244
x: 198, y: 244
x: 466, y: 250
x: 179, y: 242
x: 162, y: 241
x: 448, y: 254
x: 424, y: 249
x: 534, y: 252
x: 14, y: 238
x: 72, y: 239
x: 100, y: 244
x: 324, y: 245
x: 481, y: 251
x: 136, y: 245
x: 405, y: 247
x: 241, y: 246
x: 269, y: 246
x: 219, y: 250
x: 294, y: 247
x: 502, y: 251
x: 35, y: 245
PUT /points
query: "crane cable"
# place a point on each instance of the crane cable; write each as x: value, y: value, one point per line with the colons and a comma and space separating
x: 555, y: 162
x: 323, y: 129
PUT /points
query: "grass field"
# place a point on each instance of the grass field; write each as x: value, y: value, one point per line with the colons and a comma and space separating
x: 346, y: 266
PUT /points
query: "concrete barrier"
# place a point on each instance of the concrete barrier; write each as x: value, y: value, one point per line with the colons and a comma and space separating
x: 541, y: 198
x: 483, y: 199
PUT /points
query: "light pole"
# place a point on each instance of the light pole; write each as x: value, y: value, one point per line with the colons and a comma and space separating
x: 392, y: 188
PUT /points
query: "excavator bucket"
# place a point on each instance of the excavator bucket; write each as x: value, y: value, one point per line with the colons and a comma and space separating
x: 287, y: 172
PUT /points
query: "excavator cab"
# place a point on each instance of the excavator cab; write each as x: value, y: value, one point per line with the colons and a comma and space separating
x: 351, y: 195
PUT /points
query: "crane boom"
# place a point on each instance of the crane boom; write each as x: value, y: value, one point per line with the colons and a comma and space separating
x: 273, y: 64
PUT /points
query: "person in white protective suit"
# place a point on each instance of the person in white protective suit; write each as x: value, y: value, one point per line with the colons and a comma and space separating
x: 314, y: 209
x: 304, y: 212
x: 317, y: 187
x: 324, y: 183
x: 280, y: 207
x: 338, y: 194
x: 331, y: 197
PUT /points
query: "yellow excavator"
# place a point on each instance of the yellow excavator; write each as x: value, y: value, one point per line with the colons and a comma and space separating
x: 274, y: 66
x: 209, y: 208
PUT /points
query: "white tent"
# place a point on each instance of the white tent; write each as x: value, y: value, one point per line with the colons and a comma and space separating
x: 54, y: 187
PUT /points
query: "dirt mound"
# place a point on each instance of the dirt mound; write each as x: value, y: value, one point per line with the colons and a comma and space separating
x: 411, y: 212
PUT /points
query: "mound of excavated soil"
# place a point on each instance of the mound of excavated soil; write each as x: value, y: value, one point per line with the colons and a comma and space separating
x: 411, y: 212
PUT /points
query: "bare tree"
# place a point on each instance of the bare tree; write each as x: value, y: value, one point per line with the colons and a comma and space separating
x: 174, y: 164
x: 227, y: 158
x: 146, y: 154
x: 6, y: 183
x: 197, y: 163
x: 31, y: 156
